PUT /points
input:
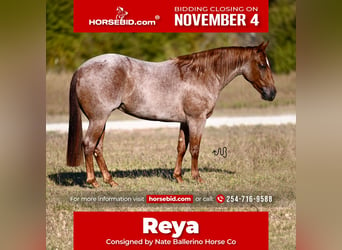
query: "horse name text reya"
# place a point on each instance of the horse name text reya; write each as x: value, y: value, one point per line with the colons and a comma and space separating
x: 151, y: 225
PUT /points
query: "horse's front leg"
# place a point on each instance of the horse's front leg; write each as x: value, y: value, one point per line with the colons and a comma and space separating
x: 183, y: 141
x: 195, y: 128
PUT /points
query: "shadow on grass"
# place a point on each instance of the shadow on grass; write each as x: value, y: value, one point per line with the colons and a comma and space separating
x: 79, y: 179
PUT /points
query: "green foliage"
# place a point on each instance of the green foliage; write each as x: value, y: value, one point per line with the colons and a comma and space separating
x: 282, y: 35
x: 66, y: 50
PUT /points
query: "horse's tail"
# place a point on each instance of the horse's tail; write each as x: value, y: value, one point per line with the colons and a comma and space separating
x: 75, y: 150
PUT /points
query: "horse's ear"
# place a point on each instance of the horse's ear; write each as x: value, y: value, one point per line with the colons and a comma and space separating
x: 262, y: 46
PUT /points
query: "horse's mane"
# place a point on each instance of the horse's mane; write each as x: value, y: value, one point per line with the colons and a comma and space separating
x: 218, y: 60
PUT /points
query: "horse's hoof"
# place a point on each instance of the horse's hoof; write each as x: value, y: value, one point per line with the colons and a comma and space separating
x: 110, y: 182
x: 113, y: 183
x: 95, y: 184
x: 199, y: 179
x: 179, y: 179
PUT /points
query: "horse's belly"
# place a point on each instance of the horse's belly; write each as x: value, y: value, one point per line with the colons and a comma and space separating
x: 155, y: 113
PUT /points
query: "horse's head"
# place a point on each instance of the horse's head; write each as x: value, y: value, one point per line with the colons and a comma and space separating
x: 258, y: 72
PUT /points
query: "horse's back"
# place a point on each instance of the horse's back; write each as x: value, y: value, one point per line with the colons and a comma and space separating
x: 108, y: 59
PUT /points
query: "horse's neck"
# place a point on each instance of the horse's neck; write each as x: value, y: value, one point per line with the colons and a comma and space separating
x: 229, y: 77
x: 236, y: 60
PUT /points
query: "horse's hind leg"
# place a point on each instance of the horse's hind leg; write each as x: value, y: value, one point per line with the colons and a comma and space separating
x: 90, y: 141
x: 107, y: 177
x: 183, y: 141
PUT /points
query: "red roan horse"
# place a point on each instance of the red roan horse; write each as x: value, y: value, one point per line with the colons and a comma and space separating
x: 183, y: 89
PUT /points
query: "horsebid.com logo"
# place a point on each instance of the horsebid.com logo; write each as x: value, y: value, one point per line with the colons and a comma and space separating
x: 120, y: 20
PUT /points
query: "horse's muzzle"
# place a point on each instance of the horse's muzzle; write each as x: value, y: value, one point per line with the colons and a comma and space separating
x: 268, y: 93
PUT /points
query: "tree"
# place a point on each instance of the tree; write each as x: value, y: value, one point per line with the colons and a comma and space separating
x: 282, y: 35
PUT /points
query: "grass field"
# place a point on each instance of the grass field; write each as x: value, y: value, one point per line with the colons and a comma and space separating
x: 260, y: 160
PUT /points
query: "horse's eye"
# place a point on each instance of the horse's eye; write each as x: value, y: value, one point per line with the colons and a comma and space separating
x: 262, y: 66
